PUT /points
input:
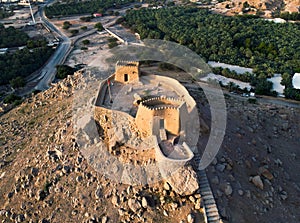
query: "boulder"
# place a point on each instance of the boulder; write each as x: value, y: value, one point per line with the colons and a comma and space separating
x: 228, y: 189
x: 257, y: 182
x: 265, y: 172
x: 134, y: 204
x: 184, y: 181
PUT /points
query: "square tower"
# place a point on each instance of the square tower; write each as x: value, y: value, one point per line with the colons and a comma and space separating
x: 127, y: 71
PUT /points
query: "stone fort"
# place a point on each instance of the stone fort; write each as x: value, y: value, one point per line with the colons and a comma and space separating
x: 159, y: 106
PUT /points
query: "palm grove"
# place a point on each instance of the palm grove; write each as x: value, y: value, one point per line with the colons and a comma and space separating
x: 265, y: 46
x: 16, y: 66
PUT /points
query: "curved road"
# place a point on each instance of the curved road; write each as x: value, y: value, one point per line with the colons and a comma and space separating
x: 48, y: 72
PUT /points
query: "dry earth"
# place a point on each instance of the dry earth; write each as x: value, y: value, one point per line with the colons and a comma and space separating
x: 255, y: 176
x: 44, y: 178
x: 267, y: 6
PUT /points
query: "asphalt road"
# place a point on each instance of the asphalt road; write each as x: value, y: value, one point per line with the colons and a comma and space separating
x: 47, y: 74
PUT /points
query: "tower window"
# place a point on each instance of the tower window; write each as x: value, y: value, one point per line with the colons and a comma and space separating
x: 125, y: 77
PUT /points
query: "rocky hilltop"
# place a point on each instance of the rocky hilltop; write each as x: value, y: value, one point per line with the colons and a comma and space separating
x: 267, y: 7
x: 45, y: 178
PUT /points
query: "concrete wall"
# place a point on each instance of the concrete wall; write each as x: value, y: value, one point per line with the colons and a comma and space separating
x: 174, y: 84
x: 114, y: 35
x: 144, y: 119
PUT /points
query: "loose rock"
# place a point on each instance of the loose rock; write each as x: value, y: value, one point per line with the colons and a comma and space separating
x: 184, y: 181
x: 257, y: 182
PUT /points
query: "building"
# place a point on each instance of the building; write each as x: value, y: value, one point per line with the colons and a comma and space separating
x: 148, y: 107
x: 127, y: 71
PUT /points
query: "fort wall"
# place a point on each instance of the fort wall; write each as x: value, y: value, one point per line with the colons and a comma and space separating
x: 173, y: 84
x: 103, y: 91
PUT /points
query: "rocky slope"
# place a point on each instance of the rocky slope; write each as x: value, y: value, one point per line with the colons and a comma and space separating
x: 252, y: 6
x: 45, y: 178
x: 255, y: 174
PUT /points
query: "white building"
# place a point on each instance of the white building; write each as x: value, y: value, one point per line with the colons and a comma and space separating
x: 296, y: 80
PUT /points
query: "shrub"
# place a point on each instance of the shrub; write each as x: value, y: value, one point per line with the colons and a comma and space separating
x: 17, y: 82
x: 74, y: 31
x: 66, y: 25
x: 112, y: 44
x: 85, y: 42
x: 99, y: 26
x: 252, y: 100
x: 63, y: 71
x: 11, y: 99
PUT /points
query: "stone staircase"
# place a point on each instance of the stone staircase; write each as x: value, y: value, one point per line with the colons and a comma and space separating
x: 211, y: 213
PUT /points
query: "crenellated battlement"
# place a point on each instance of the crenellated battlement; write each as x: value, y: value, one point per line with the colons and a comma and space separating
x: 159, y: 107
x: 163, y: 98
x: 123, y: 63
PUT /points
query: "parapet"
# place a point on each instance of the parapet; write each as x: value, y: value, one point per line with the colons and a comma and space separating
x: 161, y: 103
x: 123, y: 63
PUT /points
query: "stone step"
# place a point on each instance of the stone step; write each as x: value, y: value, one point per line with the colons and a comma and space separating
x: 207, y: 197
x: 210, y: 201
x: 202, y: 175
x: 209, y: 206
x: 162, y: 134
x: 213, y: 209
x: 204, y: 186
x: 212, y: 214
x: 204, y: 181
x: 213, y: 218
x: 204, y: 193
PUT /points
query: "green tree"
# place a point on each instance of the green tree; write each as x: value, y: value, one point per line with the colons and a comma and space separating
x: 286, y: 80
x: 17, y: 82
x: 99, y: 26
x: 85, y: 42
x: 63, y: 71
x: 66, y: 25
x: 74, y: 32
x: 112, y: 44
x: 11, y: 99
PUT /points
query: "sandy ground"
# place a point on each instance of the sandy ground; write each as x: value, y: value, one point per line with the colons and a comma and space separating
x: 78, y: 24
x: 226, y: 80
x: 238, y: 69
x: 22, y: 13
x: 97, y: 47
